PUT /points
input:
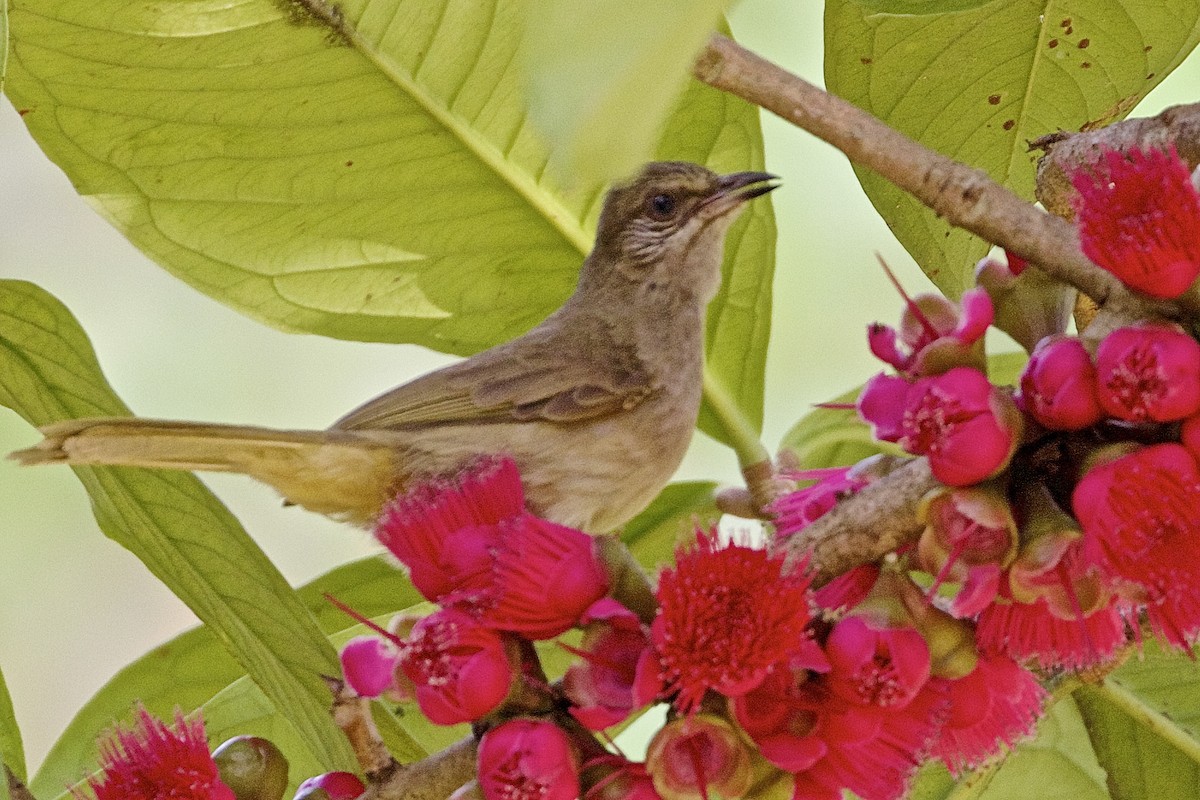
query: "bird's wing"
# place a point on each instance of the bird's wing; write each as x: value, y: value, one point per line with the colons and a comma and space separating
x: 543, y: 379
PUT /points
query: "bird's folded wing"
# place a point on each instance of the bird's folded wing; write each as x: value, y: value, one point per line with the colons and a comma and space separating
x: 550, y: 382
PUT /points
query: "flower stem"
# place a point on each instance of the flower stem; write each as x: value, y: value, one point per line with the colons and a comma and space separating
x: 743, y: 437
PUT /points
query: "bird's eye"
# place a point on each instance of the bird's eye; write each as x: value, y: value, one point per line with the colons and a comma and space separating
x: 662, y: 205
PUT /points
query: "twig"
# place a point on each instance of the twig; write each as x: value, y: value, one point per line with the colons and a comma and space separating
x: 352, y: 714
x: 964, y: 196
x: 865, y: 527
x: 432, y: 778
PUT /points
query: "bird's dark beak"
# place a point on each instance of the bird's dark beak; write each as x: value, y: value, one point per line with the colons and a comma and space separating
x: 736, y: 188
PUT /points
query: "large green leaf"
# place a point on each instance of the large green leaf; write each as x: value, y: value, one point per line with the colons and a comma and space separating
x: 183, y: 534
x: 601, y: 91
x: 191, y: 668
x: 372, y: 179
x: 1144, y: 722
x: 979, y: 84
x: 679, y: 509
x: 12, y: 751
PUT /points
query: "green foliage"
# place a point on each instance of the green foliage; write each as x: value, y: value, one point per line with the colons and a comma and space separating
x: 980, y: 84
x: 653, y: 535
x: 305, y: 185
x: 601, y: 89
x: 183, y: 534
x: 190, y: 669
x: 12, y: 751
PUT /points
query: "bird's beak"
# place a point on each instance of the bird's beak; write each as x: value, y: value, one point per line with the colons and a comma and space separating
x: 736, y: 188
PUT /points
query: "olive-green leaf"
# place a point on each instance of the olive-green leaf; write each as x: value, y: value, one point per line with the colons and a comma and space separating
x: 978, y: 85
x: 364, y: 170
x: 12, y: 751
x: 601, y: 91
x: 919, y: 6
x: 174, y: 525
x: 1144, y: 722
x: 191, y: 668
x: 679, y: 509
x: 3, y: 69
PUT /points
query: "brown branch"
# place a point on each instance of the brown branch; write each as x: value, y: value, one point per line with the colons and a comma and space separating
x: 432, y: 778
x: 964, y: 196
x: 867, y: 526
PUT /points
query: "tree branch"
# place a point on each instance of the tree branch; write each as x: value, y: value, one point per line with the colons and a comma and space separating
x: 866, y: 526
x: 964, y: 196
x: 432, y: 778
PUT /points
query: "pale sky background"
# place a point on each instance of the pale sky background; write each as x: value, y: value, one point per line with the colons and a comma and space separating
x: 75, y: 607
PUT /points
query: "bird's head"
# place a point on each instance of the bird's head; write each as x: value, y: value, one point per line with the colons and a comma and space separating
x: 665, y: 228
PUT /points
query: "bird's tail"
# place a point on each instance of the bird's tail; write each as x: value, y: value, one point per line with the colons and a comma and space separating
x: 342, y: 474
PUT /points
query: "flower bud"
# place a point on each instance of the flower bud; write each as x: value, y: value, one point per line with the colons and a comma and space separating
x: 252, y: 767
x: 699, y: 756
x: 528, y: 759
x: 1149, y: 373
x: 334, y: 786
x: 1058, y: 385
x: 369, y: 665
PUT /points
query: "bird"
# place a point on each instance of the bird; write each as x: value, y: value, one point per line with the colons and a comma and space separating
x: 596, y: 405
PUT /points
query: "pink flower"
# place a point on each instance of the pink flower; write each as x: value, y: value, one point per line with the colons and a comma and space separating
x: 781, y: 716
x: 1138, y: 215
x: 1058, y: 385
x: 337, y: 785
x: 799, y: 509
x: 1029, y: 632
x: 726, y: 615
x: 460, y: 670
x: 699, y: 756
x: 628, y: 781
x: 848, y: 589
x: 996, y: 704
x: 1141, y: 520
x: 617, y: 660
x: 968, y: 428
x: 546, y: 576
x: 369, y: 665
x: 876, y: 665
x: 938, y: 334
x: 528, y: 759
x: 969, y: 536
x: 445, y: 530
x: 1149, y: 372
x: 151, y: 761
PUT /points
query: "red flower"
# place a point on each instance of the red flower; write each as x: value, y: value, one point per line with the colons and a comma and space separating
x: 781, y: 715
x: 336, y: 785
x: 1029, y: 632
x: 152, y: 762
x: 996, y: 704
x: 1141, y: 521
x: 460, y: 670
x: 696, y: 757
x: 527, y: 759
x: 875, y: 665
x: 444, y: 530
x: 1058, y: 385
x: 1149, y: 372
x: 726, y: 615
x: 1138, y: 216
x: 546, y: 576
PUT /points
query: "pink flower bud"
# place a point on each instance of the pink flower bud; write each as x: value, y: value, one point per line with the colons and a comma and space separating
x: 939, y: 334
x: 1058, y: 385
x: 1149, y: 373
x: 1138, y: 214
x: 968, y: 428
x: 526, y: 759
x: 460, y: 670
x: 879, y: 666
x: 338, y: 785
x: 969, y: 535
x: 369, y: 665
x: 614, y: 651
x: 699, y: 756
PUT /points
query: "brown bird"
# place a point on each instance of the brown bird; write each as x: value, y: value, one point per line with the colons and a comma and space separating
x: 596, y: 404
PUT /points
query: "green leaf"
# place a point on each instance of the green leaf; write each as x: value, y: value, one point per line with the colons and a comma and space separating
x: 191, y: 668
x: 372, y: 179
x: 1144, y: 721
x: 12, y: 751
x: 679, y: 508
x: 3, y: 70
x: 979, y: 84
x: 183, y: 534
x: 919, y: 6
x: 601, y: 91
